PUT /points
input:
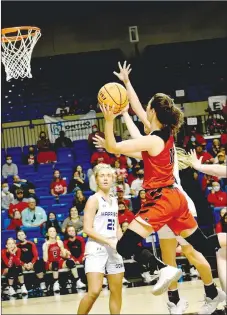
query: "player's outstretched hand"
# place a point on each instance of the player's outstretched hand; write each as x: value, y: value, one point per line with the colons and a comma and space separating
x: 195, y: 162
x: 99, y: 142
x: 124, y: 72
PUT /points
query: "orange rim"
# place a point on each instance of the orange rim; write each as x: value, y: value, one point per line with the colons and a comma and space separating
x: 9, y: 30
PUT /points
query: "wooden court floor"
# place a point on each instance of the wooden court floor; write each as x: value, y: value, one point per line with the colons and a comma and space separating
x: 137, y: 300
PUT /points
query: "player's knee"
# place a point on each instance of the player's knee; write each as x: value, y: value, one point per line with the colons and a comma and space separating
x: 94, y: 293
x: 127, y: 244
x: 70, y: 263
x: 12, y: 272
x: 39, y: 266
x: 19, y: 271
x: 55, y: 266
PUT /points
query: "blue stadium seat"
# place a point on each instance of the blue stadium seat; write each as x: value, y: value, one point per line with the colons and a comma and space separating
x: 226, y: 188
x: 6, y: 234
x: 217, y: 216
x: 32, y: 231
x: 88, y: 193
x: 25, y: 170
x: 41, y: 182
x: 16, y: 151
x: 42, y: 191
x: 6, y: 223
x: 46, y: 168
x: 47, y: 200
x: 66, y: 198
x: 62, y: 208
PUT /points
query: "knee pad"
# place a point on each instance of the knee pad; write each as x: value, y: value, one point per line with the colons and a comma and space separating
x: 128, y: 244
x: 205, y: 245
x: 19, y: 271
x: 12, y: 272
x: 39, y: 266
x: 70, y: 263
x: 55, y: 266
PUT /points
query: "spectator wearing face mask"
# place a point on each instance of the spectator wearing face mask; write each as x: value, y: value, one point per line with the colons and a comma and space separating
x: 9, y: 168
x: 192, y: 139
x: 16, y: 221
x: 33, y: 216
x: 100, y: 156
x: 46, y: 153
x: 62, y: 141
x: 51, y: 222
x: 95, y: 131
x: 221, y: 226
x: 7, y: 197
x: 27, y: 187
x: 206, y: 157
x: 58, y: 185
x: 124, y: 214
x: 20, y: 203
x: 217, y: 198
x: 136, y: 185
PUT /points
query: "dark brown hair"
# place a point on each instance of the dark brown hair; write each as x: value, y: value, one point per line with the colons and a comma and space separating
x: 166, y: 111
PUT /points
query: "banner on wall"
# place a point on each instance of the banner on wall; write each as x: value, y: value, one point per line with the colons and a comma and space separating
x: 75, y: 130
x: 217, y: 102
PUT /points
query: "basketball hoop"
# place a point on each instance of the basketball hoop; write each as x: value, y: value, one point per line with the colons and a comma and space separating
x: 17, y: 46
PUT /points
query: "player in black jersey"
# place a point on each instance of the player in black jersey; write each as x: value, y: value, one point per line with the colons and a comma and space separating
x: 30, y: 259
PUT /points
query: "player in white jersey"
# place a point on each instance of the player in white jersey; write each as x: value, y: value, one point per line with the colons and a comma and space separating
x: 102, y: 226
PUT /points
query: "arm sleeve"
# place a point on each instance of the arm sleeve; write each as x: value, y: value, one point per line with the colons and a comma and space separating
x: 35, y: 253
x: 65, y: 243
x: 7, y: 261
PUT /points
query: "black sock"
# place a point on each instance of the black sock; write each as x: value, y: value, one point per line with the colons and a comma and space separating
x: 173, y: 296
x: 211, y: 291
x: 148, y: 260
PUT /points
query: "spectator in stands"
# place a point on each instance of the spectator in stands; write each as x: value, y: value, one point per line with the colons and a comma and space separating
x: 28, y: 187
x: 29, y: 258
x: 224, y: 135
x: 121, y: 159
x: 31, y: 158
x: 120, y: 198
x: 95, y: 131
x: 16, y: 221
x: 11, y: 266
x: 121, y: 184
x: 58, y: 185
x: 79, y: 201
x: 221, y: 226
x: 62, y: 110
x: 33, y: 216
x: 217, y: 197
x: 100, y: 156
x: 6, y: 197
x: 124, y: 214
x: 46, y: 153
x: 62, y: 141
x: 76, y: 246
x: 193, y: 138
x: 51, y: 222
x: 139, y: 201
x: 215, y: 147
x: 75, y: 182
x: 220, y: 159
x: 73, y: 220
x: 9, y: 168
x: 57, y: 257
x: 207, y: 157
x: 207, y: 182
x: 119, y: 170
x: 20, y: 203
x: 124, y: 226
x: 79, y: 169
x: 136, y: 185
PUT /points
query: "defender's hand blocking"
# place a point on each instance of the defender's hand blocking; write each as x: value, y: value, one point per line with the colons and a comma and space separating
x: 124, y: 72
x: 99, y: 142
x: 195, y: 162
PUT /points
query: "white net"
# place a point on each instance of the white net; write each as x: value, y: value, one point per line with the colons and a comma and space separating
x: 17, y: 52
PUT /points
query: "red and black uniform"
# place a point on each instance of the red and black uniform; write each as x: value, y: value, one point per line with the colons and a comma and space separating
x: 29, y: 252
x: 10, y: 260
x: 164, y: 204
x: 76, y: 248
x: 54, y: 253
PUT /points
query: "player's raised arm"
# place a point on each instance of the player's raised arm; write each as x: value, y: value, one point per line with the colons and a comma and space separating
x: 123, y: 75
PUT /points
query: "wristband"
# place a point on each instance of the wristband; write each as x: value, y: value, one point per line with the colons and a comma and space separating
x: 126, y: 81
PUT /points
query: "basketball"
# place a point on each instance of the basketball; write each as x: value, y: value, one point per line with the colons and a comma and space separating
x: 113, y: 94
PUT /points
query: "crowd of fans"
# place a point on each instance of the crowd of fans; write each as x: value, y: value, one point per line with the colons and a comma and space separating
x: 24, y: 209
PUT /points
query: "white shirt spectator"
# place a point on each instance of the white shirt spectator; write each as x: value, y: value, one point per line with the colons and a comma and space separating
x: 136, y: 186
x: 9, y: 169
x: 7, y: 197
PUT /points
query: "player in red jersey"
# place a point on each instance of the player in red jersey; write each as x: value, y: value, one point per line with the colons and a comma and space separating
x: 57, y: 257
x: 165, y: 204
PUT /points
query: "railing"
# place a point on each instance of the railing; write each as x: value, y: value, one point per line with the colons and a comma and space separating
x: 28, y: 134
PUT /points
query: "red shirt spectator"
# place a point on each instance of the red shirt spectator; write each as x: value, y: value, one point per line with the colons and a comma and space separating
x: 11, y: 254
x: 16, y: 222
x: 194, y: 137
x: 20, y: 206
x: 95, y: 131
x: 122, y: 160
x: 120, y: 197
x: 58, y: 185
x: 206, y: 156
x: 124, y: 214
x: 100, y: 156
x: 217, y: 198
x: 224, y: 139
x: 207, y: 181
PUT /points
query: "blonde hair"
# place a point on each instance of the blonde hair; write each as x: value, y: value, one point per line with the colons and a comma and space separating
x: 98, y: 168
x: 184, y: 160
